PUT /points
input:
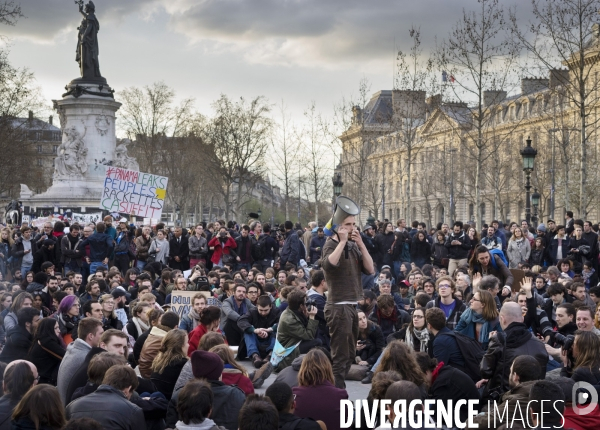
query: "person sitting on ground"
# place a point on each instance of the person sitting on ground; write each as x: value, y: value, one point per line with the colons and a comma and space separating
x: 480, y: 319
x: 110, y: 404
x: 260, y: 329
x: 40, y: 408
x: 282, y: 397
x: 190, y: 321
x: 447, y: 383
x: 297, y: 328
x: 233, y: 308
x: 168, y: 321
x: 453, y: 308
x: 228, y: 400
x: 546, y: 393
x: 387, y: 316
x: 402, y: 390
x: 524, y: 372
x: 399, y: 357
x: 445, y: 346
x: 19, y: 377
x: 209, y: 322
x: 171, y: 358
x: 19, y: 338
x: 505, y: 346
x: 139, y: 322
x: 316, y: 395
x: 258, y: 414
x: 195, y: 407
x: 47, y: 350
x: 233, y: 372
x: 414, y: 334
x: 370, y: 341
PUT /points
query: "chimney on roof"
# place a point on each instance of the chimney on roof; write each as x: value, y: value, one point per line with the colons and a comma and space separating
x: 50, y: 120
x: 493, y: 97
x: 532, y: 85
x: 30, y: 115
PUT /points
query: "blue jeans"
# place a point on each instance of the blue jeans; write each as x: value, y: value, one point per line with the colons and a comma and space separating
x: 94, y: 266
x: 396, y: 270
x: 140, y: 264
x: 24, y: 270
x: 246, y: 266
x: 253, y: 341
x: 552, y: 364
x: 378, y: 362
x: 72, y: 266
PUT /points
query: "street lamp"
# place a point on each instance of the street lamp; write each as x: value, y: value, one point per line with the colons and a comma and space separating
x: 528, y: 154
x: 535, y: 202
x: 337, y: 184
x: 259, y: 213
x: 178, y: 222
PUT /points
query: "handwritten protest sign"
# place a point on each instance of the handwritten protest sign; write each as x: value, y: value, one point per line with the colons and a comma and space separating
x: 181, y: 301
x: 134, y: 193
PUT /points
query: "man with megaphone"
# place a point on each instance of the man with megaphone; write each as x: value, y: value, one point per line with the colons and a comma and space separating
x: 344, y: 259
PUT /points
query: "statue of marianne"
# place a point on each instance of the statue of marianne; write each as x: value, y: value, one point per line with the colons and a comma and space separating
x: 87, y: 42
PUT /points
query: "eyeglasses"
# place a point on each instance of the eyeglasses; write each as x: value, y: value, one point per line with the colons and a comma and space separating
x: 444, y: 286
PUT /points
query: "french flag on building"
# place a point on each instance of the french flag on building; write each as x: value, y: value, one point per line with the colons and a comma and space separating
x: 446, y: 77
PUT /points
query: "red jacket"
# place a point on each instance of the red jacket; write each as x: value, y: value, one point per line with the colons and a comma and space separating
x: 195, y: 336
x: 219, y: 249
x: 582, y: 422
x: 232, y: 376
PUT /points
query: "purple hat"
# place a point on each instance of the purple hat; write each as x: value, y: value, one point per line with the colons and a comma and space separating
x: 206, y: 365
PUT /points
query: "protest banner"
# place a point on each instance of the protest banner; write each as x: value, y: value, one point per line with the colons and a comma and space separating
x: 181, y: 301
x: 86, y: 218
x: 133, y: 193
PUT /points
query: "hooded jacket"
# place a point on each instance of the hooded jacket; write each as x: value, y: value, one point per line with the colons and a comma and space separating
x: 207, y: 424
x: 150, y: 351
x: 504, y: 348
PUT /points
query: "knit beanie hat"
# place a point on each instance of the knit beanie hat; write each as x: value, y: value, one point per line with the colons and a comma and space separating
x: 206, y: 365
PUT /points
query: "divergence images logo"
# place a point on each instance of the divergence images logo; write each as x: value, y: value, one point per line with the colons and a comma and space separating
x: 584, y: 393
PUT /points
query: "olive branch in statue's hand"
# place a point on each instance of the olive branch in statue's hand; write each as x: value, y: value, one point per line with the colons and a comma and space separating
x: 79, y: 2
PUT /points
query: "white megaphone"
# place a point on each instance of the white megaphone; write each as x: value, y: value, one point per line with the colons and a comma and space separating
x: 344, y: 207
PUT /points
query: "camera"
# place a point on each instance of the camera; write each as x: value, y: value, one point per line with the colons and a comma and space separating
x: 201, y: 284
x: 223, y: 234
x: 310, y: 303
x: 566, y: 342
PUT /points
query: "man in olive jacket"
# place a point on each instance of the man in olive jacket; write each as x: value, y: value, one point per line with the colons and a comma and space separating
x: 296, y: 324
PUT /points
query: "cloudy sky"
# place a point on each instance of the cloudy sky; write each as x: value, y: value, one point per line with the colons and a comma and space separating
x: 297, y: 51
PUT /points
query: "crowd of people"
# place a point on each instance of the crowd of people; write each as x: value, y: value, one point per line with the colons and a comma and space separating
x: 90, y: 338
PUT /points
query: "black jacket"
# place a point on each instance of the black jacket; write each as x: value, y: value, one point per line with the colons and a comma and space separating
x: 503, y: 349
x: 179, y: 249
x: 18, y: 250
x: 7, y: 404
x: 452, y: 384
x: 420, y: 250
x: 47, y: 355
x: 110, y: 408
x: 165, y: 381
x: 25, y: 423
x: 384, y: 242
x: 18, y: 342
x: 439, y: 252
x: 253, y: 319
x: 374, y: 344
x: 458, y: 252
x: 228, y: 400
x: 292, y: 422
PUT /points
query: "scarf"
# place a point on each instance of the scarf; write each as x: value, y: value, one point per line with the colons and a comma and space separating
x: 471, y: 317
x: 140, y: 325
x: 393, y: 317
x: 422, y: 335
x: 67, y: 323
x: 436, y: 372
x: 195, y: 318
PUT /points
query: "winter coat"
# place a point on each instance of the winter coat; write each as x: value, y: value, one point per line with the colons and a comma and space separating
x: 228, y: 401
x: 385, y: 243
x: 536, y: 257
x: 461, y: 251
x: 439, y: 252
x: 228, y: 312
x: 18, y: 342
x: 290, y: 252
x: 7, y: 404
x: 198, y: 247
x: 161, y: 256
x: 579, y: 256
x: 76, y: 353
x: 510, y: 400
x: 165, y: 381
x: 101, y: 246
x: 454, y: 318
x: 449, y: 383
x: 110, y: 408
x: 18, y: 250
x: 320, y: 402
x: 150, y: 351
x: 553, y: 248
x: 316, y: 242
x: 504, y: 348
x: 142, y: 246
x: 221, y: 248
x: 71, y: 252
x: 292, y: 330
x: 47, y: 355
x: 374, y: 344
x: 233, y: 376
x: 517, y: 251
x: 179, y: 248
x: 420, y: 251
x: 391, y: 324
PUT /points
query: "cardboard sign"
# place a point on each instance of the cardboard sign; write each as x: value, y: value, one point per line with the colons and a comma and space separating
x: 181, y: 301
x: 134, y: 193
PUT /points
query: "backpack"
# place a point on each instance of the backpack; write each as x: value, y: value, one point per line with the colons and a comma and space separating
x: 258, y: 250
x: 500, y: 254
x: 471, y: 352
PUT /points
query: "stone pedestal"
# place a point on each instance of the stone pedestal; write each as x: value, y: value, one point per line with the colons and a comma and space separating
x: 87, y: 118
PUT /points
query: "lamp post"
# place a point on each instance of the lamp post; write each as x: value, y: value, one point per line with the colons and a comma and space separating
x: 177, y: 221
x: 259, y: 213
x: 528, y: 154
x: 337, y: 184
x: 535, y: 202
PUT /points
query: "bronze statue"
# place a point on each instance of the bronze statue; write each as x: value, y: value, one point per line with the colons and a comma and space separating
x: 87, y: 42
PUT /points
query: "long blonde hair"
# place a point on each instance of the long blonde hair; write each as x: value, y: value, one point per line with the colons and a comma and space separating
x: 171, y: 349
x: 315, y: 369
x: 11, y: 242
x: 226, y: 355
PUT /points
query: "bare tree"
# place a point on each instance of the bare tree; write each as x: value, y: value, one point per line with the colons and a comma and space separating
x: 149, y: 117
x: 315, y: 162
x: 479, y: 55
x: 563, y: 33
x: 285, y: 151
x: 240, y: 134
